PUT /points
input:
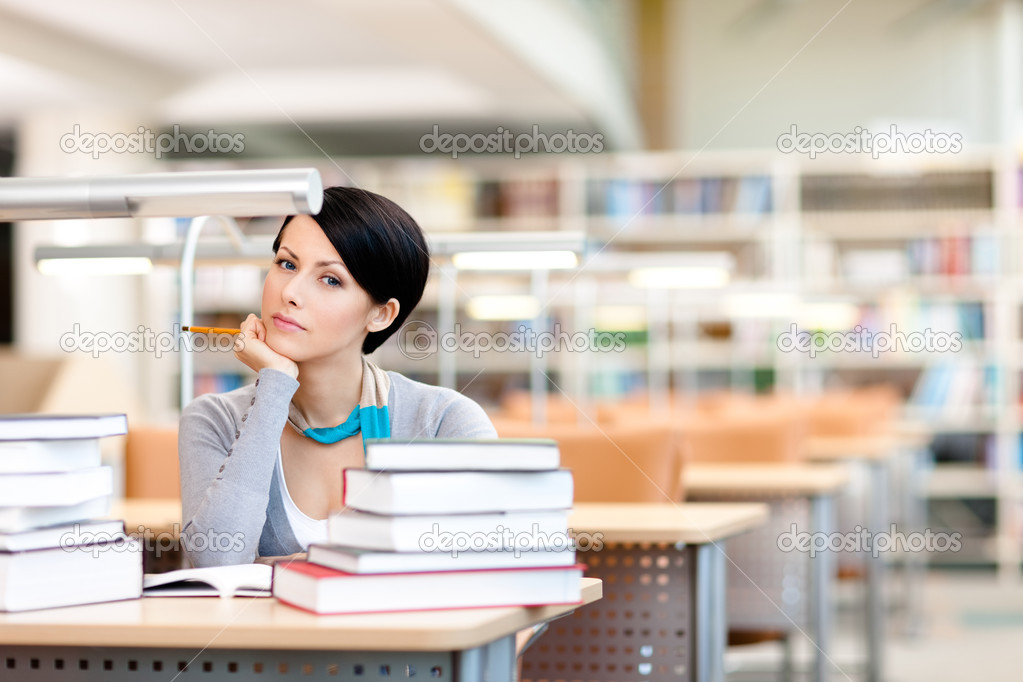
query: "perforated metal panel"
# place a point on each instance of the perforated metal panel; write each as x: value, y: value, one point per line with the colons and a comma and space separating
x: 768, y: 588
x: 639, y: 630
x: 100, y: 664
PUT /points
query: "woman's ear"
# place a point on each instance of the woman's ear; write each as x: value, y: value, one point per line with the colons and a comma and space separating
x: 384, y: 315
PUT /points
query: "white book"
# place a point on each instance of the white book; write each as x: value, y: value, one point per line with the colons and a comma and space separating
x: 52, y: 489
x: 456, y: 492
x: 37, y: 456
x: 64, y: 535
x: 15, y: 519
x: 352, y: 560
x: 443, y: 533
x: 57, y: 426
x: 239, y: 580
x: 465, y: 454
x: 323, y: 590
x: 86, y: 574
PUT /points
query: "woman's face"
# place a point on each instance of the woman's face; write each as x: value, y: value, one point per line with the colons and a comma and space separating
x: 312, y: 307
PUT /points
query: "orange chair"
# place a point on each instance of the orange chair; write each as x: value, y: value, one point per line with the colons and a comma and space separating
x: 151, y: 463
x: 613, y: 463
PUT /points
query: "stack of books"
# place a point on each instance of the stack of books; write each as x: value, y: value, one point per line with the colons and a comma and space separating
x: 443, y: 524
x: 52, y: 488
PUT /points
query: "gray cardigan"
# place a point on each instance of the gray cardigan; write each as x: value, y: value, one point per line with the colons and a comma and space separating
x: 231, y: 505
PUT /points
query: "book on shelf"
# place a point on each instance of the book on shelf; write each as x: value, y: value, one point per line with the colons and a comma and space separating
x: 462, y: 454
x: 51, y: 489
x: 239, y: 580
x: 14, y: 519
x: 39, y: 456
x: 65, y: 535
x: 324, y: 590
x: 352, y: 560
x: 429, y: 532
x: 456, y: 492
x: 22, y: 427
x: 84, y: 574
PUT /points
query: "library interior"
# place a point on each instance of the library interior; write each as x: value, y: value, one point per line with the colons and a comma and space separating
x: 690, y: 348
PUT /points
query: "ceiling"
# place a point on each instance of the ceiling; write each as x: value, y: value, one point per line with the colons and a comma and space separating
x: 356, y: 75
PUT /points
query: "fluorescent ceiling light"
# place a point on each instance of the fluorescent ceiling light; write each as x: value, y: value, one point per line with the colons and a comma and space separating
x: 515, y: 260
x: 831, y: 315
x: 225, y: 193
x: 620, y: 318
x: 95, y: 266
x: 355, y: 94
x: 450, y: 243
x: 683, y: 277
x: 503, y: 307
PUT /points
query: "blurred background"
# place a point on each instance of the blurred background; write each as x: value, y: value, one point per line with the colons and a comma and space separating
x: 773, y: 200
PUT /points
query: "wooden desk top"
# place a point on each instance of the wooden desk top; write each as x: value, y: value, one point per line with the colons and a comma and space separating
x: 154, y: 515
x: 265, y: 623
x: 689, y: 522
x: 769, y: 480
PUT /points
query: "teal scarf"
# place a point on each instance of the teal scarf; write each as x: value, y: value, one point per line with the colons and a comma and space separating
x: 369, y: 416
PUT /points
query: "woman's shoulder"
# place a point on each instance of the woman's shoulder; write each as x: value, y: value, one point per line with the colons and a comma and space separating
x: 415, y: 406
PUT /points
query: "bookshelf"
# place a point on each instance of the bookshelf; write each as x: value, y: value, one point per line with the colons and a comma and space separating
x: 919, y: 242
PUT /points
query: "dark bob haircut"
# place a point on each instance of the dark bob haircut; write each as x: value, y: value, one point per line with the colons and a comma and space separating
x: 381, y: 245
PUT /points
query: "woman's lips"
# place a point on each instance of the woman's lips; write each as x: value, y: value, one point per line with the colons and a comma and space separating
x: 286, y: 324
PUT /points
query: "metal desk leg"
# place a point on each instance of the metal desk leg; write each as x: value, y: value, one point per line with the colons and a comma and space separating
x: 709, y: 614
x: 822, y: 520
x: 915, y: 566
x: 878, y: 516
x: 493, y: 662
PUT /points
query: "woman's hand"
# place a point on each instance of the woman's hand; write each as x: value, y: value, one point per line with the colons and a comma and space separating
x: 250, y: 347
x: 271, y: 560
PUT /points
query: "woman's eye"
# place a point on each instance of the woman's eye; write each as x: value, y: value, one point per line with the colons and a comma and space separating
x: 332, y: 281
x: 286, y: 264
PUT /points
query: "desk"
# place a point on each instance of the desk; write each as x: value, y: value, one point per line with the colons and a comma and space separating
x: 877, y: 452
x: 260, y: 638
x: 760, y: 571
x: 663, y: 612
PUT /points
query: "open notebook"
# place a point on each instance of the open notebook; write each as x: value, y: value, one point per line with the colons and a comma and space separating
x: 243, y: 580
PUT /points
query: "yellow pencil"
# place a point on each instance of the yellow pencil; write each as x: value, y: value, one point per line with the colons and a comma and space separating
x: 211, y: 330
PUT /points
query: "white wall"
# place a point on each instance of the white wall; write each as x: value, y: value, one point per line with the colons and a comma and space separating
x: 876, y: 63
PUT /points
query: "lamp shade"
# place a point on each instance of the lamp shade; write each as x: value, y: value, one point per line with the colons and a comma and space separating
x: 190, y: 194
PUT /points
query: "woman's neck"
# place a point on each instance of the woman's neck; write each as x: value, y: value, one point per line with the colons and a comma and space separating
x: 329, y: 389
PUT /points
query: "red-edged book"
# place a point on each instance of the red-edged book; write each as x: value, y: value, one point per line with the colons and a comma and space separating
x: 325, y: 590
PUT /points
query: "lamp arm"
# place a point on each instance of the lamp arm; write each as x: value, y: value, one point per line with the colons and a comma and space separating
x: 187, y: 286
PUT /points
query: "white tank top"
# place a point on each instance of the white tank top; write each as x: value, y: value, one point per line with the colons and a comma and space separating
x: 307, y: 530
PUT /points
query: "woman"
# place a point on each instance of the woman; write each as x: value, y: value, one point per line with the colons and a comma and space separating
x: 261, y: 465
